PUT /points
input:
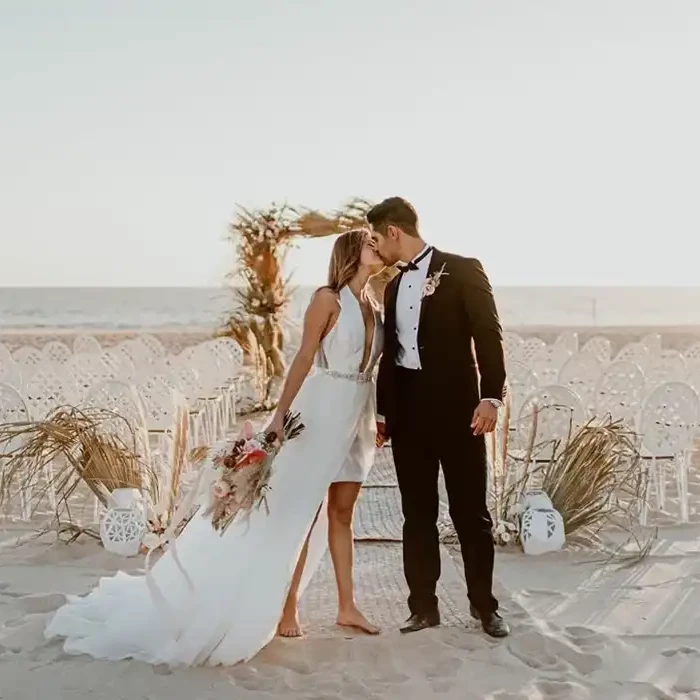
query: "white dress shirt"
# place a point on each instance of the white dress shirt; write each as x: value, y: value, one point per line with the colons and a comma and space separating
x: 408, y: 302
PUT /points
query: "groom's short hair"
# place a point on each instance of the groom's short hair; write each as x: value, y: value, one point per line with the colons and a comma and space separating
x: 394, y: 211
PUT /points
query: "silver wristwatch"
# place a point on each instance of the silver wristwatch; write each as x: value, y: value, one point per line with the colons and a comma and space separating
x: 495, y: 403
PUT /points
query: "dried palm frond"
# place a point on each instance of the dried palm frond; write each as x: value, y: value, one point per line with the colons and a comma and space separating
x: 70, y: 447
x: 314, y: 224
x: 262, y: 238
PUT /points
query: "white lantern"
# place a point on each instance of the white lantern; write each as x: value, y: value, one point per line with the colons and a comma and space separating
x: 123, y: 525
x: 536, y: 499
x: 542, y: 530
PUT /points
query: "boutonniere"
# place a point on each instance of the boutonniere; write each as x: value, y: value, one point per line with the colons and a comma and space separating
x: 433, y: 282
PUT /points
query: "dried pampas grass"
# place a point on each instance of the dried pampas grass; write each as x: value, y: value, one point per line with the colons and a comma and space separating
x: 593, y: 479
x: 596, y: 479
x: 70, y: 447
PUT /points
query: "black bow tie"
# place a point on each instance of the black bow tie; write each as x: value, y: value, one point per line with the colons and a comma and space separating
x: 413, y: 265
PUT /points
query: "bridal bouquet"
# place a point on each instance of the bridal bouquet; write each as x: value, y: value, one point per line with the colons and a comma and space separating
x: 244, y: 472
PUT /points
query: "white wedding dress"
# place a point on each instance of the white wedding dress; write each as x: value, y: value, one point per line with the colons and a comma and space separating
x: 223, y: 604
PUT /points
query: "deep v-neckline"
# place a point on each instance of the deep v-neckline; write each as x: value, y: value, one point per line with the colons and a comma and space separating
x: 367, y: 351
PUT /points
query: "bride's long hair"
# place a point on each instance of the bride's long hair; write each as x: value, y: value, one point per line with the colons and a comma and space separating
x: 346, y: 257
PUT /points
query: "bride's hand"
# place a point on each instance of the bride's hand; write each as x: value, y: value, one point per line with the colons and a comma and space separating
x: 276, y: 426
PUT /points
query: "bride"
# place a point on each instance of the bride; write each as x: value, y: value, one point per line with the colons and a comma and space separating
x: 221, y: 600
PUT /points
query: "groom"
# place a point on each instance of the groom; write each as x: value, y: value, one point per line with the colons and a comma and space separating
x: 437, y: 398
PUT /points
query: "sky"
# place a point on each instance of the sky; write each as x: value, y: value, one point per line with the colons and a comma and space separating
x: 558, y: 141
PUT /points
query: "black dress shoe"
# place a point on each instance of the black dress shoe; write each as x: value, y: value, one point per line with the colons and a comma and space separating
x: 492, y: 623
x: 418, y: 622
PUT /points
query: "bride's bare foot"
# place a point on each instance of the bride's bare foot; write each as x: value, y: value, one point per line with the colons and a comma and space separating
x: 354, y: 619
x: 289, y: 624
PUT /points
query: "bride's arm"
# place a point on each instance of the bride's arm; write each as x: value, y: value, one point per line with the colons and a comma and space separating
x: 317, y: 321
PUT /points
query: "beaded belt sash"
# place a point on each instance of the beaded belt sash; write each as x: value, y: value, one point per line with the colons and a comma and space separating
x: 360, y: 377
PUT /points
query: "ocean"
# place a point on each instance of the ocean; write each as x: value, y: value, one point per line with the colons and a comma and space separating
x: 127, y: 308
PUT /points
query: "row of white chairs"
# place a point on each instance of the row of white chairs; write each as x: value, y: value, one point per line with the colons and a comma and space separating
x: 594, y: 374
x: 667, y: 424
x: 202, y: 380
x: 547, y: 360
x: 130, y: 356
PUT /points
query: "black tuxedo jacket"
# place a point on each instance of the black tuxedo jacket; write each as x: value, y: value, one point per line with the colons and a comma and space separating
x: 460, y: 340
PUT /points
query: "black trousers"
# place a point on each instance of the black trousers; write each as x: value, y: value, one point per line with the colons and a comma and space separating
x: 425, y: 436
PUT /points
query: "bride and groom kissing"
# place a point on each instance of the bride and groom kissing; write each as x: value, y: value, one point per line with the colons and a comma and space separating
x: 440, y: 383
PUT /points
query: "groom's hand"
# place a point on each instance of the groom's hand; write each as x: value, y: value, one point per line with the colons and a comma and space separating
x: 381, y: 433
x: 485, y: 418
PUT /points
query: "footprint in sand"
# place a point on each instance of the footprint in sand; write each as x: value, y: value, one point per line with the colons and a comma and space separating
x: 546, y: 653
x: 34, y: 604
x: 15, y: 622
x: 539, y: 593
x: 444, y: 669
x: 162, y: 670
x: 561, y: 690
x: 585, y: 638
x: 681, y: 651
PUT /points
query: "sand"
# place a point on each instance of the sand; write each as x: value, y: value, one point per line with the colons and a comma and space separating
x: 581, y: 628
x: 579, y: 631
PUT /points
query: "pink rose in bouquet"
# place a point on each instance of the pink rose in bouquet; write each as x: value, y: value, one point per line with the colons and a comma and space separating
x: 244, y: 474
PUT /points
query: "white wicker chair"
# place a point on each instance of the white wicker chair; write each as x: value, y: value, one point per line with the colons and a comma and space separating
x: 668, y: 424
x: 694, y: 379
x: 692, y: 356
x: 57, y: 352
x: 620, y: 392
x: 10, y: 372
x: 581, y: 373
x: 152, y: 345
x: 215, y: 368
x: 13, y: 409
x: 119, y: 366
x: 513, y: 346
x: 138, y: 354
x: 123, y: 400
x: 548, y: 361
x: 600, y: 347
x: 86, y: 345
x: 667, y: 366
x: 159, y: 399
x: 522, y: 383
x: 531, y: 347
x: 638, y: 353
x: 28, y: 358
x: 188, y: 383
x: 653, y: 342
x: 87, y: 370
x: 568, y: 340
x: 229, y: 356
x: 48, y: 388
x: 559, y: 413
x: 5, y: 353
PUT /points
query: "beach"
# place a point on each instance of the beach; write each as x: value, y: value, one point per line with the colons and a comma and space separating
x: 582, y: 627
